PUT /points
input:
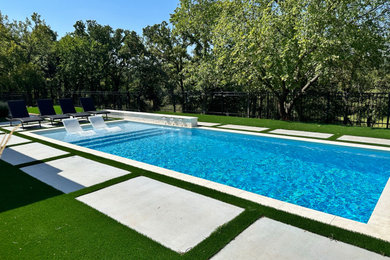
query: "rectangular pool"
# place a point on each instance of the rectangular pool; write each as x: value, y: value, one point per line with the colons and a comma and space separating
x: 339, y: 180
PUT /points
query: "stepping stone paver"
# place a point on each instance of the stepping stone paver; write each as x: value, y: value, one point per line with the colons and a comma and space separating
x: 207, y: 124
x: 73, y: 173
x: 362, y: 139
x: 270, y: 239
x: 10, y: 128
x: 243, y: 127
x: 29, y: 152
x: 32, y: 126
x: 301, y: 133
x: 14, y: 139
x: 178, y: 219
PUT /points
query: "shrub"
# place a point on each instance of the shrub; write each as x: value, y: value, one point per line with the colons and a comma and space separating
x: 3, y: 109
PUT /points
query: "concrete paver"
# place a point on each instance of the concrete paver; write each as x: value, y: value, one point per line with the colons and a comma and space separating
x: 270, y: 239
x: 29, y: 152
x: 301, y: 133
x: 243, y: 127
x: 178, y: 219
x: 362, y: 139
x: 73, y: 173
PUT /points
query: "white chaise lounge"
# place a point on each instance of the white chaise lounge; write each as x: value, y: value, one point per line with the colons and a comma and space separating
x: 73, y: 127
x: 99, y: 124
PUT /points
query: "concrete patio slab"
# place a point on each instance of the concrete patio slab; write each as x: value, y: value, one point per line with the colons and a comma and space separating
x: 270, y: 239
x: 73, y: 173
x: 207, y: 124
x: 243, y: 127
x: 15, y: 139
x: 10, y: 128
x: 301, y: 133
x: 362, y: 139
x: 29, y: 152
x: 176, y: 218
x: 29, y: 127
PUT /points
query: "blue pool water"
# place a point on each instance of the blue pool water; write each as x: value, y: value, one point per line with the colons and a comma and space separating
x: 339, y: 180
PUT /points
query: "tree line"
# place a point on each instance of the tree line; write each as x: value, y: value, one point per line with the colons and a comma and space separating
x: 286, y: 47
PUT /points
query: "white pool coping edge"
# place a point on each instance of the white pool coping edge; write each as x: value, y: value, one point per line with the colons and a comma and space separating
x: 380, y: 229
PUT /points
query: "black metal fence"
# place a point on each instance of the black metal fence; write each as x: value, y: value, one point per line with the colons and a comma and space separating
x: 363, y: 109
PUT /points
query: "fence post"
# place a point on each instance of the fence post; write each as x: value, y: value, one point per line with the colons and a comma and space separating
x: 267, y: 107
x: 204, y: 102
x: 328, y: 108
x: 388, y: 110
x: 247, y: 106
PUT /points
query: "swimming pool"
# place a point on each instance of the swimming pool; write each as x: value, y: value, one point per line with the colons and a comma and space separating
x: 338, y: 180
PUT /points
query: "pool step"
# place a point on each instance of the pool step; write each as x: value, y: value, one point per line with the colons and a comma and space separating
x: 115, y: 136
x: 117, y: 140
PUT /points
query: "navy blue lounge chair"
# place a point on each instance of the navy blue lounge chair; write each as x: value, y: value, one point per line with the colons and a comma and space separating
x: 67, y: 107
x: 47, y: 111
x: 89, y: 106
x: 18, y: 112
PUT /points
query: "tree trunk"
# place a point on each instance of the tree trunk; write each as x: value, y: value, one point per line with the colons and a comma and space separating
x: 285, y: 108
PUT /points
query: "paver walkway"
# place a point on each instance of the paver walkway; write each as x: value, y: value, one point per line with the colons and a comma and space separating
x: 301, y: 133
x: 362, y: 139
x: 178, y: 219
x: 73, y: 173
x: 243, y: 127
x: 270, y: 239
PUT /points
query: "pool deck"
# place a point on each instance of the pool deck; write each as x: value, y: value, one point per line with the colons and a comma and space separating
x: 244, y: 245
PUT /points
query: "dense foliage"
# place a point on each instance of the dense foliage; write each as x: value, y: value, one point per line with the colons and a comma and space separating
x: 285, y: 47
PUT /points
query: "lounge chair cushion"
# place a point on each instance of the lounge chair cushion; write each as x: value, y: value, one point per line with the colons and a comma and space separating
x: 46, y: 107
x: 18, y: 109
x: 27, y: 119
x: 67, y: 106
x: 89, y: 106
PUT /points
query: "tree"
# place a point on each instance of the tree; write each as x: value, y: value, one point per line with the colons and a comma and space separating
x: 287, y: 46
x: 27, y: 60
x: 171, y: 52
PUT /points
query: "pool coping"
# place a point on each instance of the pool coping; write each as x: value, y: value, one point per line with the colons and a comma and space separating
x: 378, y: 225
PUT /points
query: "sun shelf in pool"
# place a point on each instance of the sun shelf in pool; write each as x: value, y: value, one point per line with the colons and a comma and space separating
x: 339, y: 180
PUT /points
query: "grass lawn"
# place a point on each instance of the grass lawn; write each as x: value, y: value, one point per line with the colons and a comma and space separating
x: 337, y: 130
x: 38, y: 221
x: 35, y: 110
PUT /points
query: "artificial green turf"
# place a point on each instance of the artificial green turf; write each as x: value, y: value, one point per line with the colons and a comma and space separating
x: 18, y: 189
x: 35, y: 110
x: 337, y: 130
x: 62, y: 227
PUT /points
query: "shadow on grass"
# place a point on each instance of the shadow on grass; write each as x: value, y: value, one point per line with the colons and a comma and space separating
x: 19, y: 189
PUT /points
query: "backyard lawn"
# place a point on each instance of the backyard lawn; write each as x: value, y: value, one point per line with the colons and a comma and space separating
x: 35, y: 110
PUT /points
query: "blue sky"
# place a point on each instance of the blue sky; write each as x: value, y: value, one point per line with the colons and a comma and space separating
x: 62, y: 14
